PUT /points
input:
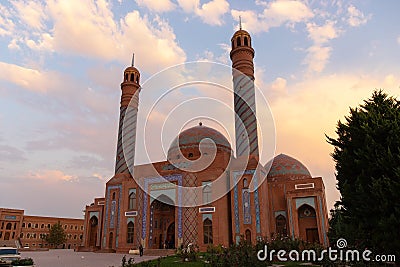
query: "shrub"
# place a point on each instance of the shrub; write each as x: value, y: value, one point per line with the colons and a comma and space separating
x: 22, y: 262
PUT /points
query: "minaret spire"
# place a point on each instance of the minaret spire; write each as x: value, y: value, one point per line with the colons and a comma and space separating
x: 130, y: 89
x: 242, y: 55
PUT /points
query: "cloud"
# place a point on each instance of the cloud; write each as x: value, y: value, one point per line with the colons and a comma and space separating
x: 52, y: 176
x: 322, y: 34
x: 157, y: 6
x: 11, y: 154
x: 13, y: 45
x: 32, y: 13
x: 6, y: 23
x: 57, y: 25
x: 210, y: 12
x: 278, y: 86
x: 319, y: 53
x: 30, y: 79
x: 275, y: 14
x: 356, y: 17
x: 317, y: 57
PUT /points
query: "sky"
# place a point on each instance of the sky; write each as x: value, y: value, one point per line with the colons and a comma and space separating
x: 62, y: 62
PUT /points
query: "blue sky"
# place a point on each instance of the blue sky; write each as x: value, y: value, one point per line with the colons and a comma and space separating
x: 61, y: 65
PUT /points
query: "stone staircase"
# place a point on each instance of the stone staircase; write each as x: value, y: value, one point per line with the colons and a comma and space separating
x: 159, y: 252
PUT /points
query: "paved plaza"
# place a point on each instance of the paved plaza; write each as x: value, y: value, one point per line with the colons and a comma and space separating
x: 69, y: 258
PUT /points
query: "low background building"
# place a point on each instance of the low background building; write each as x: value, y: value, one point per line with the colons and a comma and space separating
x: 19, y: 230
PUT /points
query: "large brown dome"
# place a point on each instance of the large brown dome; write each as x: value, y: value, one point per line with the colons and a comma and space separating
x: 286, y: 167
x: 190, y: 139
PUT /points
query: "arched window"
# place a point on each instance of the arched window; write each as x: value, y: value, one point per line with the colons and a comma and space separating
x: 23, y: 225
x: 246, y: 41
x: 36, y: 225
x: 126, y: 77
x: 29, y: 225
x: 247, y: 234
x: 281, y: 229
x: 238, y: 41
x: 15, y: 226
x: 111, y: 240
x: 42, y: 226
x: 21, y: 235
x: 132, y: 200
x: 137, y: 79
x: 28, y: 235
x: 206, y: 192
x: 113, y: 196
x: 245, y: 183
x: 131, y: 228
x: 8, y: 226
x: 190, y: 155
x: 207, y: 231
x: 7, y: 236
x: 132, y: 77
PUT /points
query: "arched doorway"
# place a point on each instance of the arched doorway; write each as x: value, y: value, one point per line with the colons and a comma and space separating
x: 111, y: 240
x: 162, y: 234
x: 281, y: 228
x: 308, y: 227
x: 248, y: 236
x: 171, y: 236
x: 94, y: 222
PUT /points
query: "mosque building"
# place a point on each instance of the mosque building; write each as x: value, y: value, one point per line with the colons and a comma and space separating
x: 163, y: 204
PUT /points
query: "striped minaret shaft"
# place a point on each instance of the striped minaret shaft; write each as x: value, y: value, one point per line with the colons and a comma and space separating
x: 242, y: 55
x: 130, y: 88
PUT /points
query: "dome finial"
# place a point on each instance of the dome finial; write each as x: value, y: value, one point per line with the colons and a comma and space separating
x: 240, y: 22
x: 133, y: 59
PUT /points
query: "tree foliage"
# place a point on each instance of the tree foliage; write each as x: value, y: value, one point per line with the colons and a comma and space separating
x: 57, y: 235
x: 367, y: 157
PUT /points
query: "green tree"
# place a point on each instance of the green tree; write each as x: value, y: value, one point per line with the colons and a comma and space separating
x: 367, y: 157
x: 57, y: 235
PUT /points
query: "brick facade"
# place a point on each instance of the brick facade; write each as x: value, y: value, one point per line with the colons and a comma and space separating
x: 17, y: 229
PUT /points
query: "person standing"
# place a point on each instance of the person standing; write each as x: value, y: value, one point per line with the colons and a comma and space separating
x: 140, y: 250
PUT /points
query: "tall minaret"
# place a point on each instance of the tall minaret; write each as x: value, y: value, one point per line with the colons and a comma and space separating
x: 242, y: 55
x: 130, y: 88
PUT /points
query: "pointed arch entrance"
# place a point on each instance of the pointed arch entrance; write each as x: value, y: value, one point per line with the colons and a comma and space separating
x: 162, y: 223
x: 308, y: 227
x: 94, y: 223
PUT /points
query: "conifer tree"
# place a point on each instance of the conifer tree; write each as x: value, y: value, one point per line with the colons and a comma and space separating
x: 367, y: 157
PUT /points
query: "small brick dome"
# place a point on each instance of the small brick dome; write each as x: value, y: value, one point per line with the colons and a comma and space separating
x: 190, y: 139
x: 286, y: 167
